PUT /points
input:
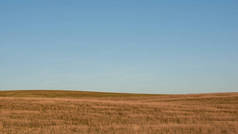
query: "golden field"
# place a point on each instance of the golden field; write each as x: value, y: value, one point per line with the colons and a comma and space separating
x: 77, y: 112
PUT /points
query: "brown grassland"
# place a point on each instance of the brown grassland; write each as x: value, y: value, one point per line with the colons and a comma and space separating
x: 77, y: 112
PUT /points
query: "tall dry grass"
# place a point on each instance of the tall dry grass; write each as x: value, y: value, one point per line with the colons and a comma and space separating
x: 61, y: 112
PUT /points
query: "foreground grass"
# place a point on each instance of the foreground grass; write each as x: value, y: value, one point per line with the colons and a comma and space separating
x: 73, y: 112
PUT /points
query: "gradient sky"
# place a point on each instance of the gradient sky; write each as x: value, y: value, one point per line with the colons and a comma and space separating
x: 145, y: 46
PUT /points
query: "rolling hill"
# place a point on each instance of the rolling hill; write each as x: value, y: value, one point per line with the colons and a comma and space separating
x: 79, y: 112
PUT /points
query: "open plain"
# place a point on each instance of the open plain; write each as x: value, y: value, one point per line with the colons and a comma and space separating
x: 78, y: 112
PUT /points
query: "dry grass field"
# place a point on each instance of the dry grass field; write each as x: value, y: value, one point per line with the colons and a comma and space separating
x: 75, y: 112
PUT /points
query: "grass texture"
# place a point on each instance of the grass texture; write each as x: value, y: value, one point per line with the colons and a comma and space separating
x: 77, y: 112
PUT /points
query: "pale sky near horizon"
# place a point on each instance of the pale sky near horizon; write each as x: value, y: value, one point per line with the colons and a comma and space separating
x: 143, y: 46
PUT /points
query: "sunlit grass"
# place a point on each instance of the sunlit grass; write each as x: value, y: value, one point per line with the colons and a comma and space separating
x: 69, y: 112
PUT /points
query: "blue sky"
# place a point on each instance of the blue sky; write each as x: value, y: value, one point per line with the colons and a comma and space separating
x: 144, y: 46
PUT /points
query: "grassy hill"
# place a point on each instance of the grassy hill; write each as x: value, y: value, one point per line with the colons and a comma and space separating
x: 65, y: 94
x: 80, y: 112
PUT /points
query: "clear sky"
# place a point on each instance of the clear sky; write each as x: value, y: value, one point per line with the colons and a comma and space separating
x: 145, y: 46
